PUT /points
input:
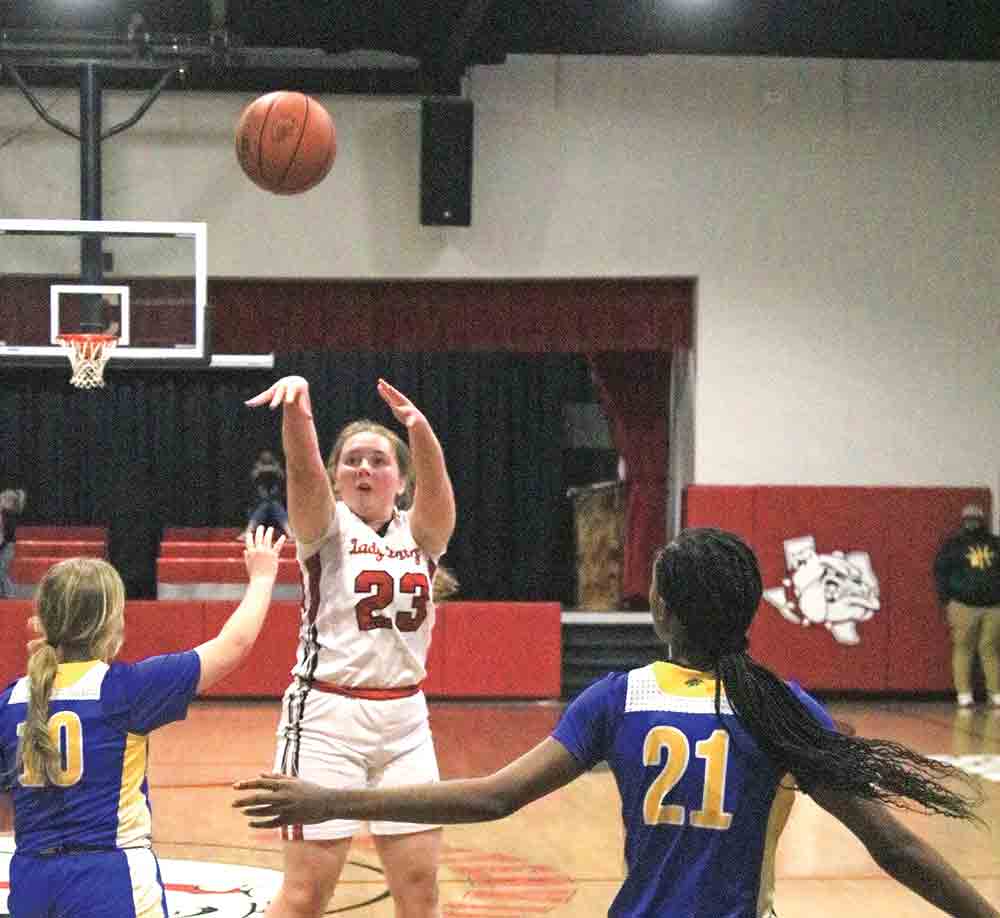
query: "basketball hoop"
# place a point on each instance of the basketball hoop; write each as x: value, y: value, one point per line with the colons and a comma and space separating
x: 88, y: 355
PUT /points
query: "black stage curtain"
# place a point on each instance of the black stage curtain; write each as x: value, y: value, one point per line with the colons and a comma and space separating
x: 157, y: 449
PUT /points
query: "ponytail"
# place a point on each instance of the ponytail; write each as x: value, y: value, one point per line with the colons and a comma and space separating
x: 39, y: 753
x: 871, y: 769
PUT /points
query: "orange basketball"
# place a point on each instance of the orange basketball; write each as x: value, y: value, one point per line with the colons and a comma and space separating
x: 286, y: 142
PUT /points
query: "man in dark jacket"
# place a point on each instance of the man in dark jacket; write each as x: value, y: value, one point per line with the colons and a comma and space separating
x: 967, y: 573
x: 268, y: 479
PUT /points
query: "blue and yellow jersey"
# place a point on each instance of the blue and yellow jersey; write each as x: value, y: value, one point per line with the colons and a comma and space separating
x: 700, y: 799
x: 100, y: 716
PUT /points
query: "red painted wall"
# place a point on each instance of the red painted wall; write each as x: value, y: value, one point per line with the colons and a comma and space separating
x: 905, y: 646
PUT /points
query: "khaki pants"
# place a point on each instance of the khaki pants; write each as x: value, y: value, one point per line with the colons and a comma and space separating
x: 974, y: 629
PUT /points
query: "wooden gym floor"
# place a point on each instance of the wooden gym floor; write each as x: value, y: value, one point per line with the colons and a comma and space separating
x: 562, y: 856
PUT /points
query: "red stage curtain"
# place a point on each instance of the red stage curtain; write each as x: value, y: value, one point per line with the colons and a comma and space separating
x: 633, y: 392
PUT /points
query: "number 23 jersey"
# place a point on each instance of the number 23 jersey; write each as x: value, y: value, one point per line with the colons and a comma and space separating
x: 698, y: 794
x: 367, y: 614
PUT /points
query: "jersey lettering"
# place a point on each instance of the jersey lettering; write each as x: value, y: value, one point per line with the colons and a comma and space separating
x: 380, y: 588
x: 66, y: 731
x: 714, y: 751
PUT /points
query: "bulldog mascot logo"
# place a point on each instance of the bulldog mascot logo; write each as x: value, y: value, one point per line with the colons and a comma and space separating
x: 836, y: 590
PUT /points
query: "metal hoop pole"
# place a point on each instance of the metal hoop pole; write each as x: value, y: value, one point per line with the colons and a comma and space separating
x: 91, y: 254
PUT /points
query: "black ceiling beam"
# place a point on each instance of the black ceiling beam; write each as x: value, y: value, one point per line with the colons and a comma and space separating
x: 210, y: 61
x: 447, y: 72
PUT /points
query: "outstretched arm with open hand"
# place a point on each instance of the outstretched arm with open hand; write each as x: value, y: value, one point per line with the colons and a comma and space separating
x: 432, y: 516
x: 223, y: 653
x: 279, y: 800
x: 310, y: 495
x: 906, y: 857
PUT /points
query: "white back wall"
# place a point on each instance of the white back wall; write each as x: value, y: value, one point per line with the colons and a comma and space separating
x: 842, y: 220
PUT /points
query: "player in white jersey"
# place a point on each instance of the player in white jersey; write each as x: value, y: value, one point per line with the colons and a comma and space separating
x: 354, y: 715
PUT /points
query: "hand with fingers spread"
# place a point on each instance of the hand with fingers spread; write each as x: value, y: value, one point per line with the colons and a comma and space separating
x: 221, y: 654
x: 262, y: 553
x: 283, y: 801
x: 402, y: 408
x: 287, y: 391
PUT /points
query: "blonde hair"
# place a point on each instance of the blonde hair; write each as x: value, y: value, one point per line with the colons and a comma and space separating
x: 79, y: 611
x: 444, y: 585
x: 399, y: 448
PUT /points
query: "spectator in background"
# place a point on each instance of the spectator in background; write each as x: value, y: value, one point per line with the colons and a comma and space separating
x: 11, y: 507
x: 967, y: 574
x: 268, y: 479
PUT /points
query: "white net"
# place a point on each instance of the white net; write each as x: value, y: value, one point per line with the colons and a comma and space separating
x: 88, y: 355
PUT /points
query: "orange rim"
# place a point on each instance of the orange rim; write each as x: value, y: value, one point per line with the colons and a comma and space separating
x: 86, y: 338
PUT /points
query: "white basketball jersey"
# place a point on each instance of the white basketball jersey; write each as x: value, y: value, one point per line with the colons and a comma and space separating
x: 367, y: 613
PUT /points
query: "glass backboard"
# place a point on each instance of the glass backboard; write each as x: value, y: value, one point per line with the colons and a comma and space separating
x: 142, y: 281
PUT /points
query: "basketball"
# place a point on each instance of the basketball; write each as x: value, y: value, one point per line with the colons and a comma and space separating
x: 286, y: 142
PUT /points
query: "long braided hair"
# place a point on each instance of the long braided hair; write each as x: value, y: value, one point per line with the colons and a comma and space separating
x: 710, y: 580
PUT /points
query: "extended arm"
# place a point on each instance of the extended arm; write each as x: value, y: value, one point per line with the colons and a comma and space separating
x: 310, y: 495
x: 904, y: 856
x: 226, y: 650
x: 289, y: 801
x: 432, y: 516
x: 6, y: 812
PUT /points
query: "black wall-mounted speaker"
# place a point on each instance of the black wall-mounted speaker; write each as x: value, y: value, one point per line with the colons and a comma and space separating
x: 446, y: 126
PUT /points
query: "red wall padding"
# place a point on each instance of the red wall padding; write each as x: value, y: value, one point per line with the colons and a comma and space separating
x: 434, y: 683
x: 14, y: 614
x: 502, y: 649
x: 478, y: 649
x: 905, y: 646
x: 153, y: 627
x: 266, y: 670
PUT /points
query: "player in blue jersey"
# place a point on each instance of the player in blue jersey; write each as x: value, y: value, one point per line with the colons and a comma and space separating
x: 700, y: 746
x: 74, y: 736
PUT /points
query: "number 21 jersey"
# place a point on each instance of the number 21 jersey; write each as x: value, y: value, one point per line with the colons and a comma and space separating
x: 698, y: 793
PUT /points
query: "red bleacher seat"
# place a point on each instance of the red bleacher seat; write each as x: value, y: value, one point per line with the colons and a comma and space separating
x: 61, y: 533
x: 27, y: 572
x: 39, y: 547
x: 217, y: 570
x: 51, y: 548
x: 200, y: 534
x: 231, y: 549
